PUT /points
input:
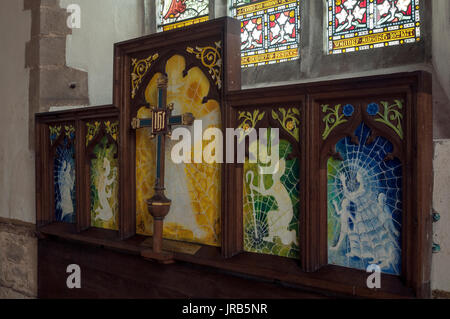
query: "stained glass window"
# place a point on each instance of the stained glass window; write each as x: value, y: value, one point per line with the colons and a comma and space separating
x: 174, y: 14
x: 269, y: 30
x: 355, y: 25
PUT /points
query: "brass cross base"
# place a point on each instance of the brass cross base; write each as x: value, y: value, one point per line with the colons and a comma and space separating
x: 162, y: 258
x: 158, y: 206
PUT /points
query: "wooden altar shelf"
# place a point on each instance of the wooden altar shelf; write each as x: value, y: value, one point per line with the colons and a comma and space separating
x: 329, y: 280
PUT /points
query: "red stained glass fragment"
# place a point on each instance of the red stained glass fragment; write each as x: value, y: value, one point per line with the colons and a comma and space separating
x: 177, y: 7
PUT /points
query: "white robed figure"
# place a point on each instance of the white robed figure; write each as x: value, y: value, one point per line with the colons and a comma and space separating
x: 104, y: 211
x: 368, y: 226
x: 279, y: 219
x: 66, y: 183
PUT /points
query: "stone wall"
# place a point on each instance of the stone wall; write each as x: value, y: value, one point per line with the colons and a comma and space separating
x: 18, y: 260
x: 440, y: 278
x: 16, y: 158
x: 52, y: 82
x: 441, y: 68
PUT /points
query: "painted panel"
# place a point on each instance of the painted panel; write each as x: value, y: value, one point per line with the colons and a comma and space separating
x: 365, y: 204
x: 64, y: 175
x: 193, y: 188
x: 355, y: 25
x: 179, y: 13
x: 271, y: 206
x: 104, y: 187
x: 269, y: 31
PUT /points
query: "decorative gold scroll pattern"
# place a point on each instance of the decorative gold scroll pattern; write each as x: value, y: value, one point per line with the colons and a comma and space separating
x: 92, y: 131
x: 55, y: 132
x: 70, y: 131
x: 140, y: 69
x: 112, y: 129
x: 250, y: 119
x: 211, y: 59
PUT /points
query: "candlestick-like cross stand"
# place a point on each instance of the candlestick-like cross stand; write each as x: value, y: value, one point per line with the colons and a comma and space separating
x: 161, y: 123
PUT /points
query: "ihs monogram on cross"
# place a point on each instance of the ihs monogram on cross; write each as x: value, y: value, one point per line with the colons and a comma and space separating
x: 161, y: 123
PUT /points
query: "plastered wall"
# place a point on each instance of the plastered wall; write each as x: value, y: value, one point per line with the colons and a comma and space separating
x: 18, y: 249
x: 90, y: 48
x: 16, y: 157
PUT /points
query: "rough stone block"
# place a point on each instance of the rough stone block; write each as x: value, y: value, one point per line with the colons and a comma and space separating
x: 31, y: 4
x: 18, y: 261
x: 54, y: 21
x: 46, y: 51
x: 441, y: 110
x: 32, y: 53
x: 52, y: 51
x: 50, y: 3
x: 14, y: 252
x: 7, y: 293
x: 55, y: 87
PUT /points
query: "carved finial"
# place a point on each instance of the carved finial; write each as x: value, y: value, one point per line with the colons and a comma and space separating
x: 163, y: 81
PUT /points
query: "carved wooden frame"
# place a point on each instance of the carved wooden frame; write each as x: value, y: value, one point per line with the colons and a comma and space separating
x: 45, y: 210
x: 86, y: 222
x: 415, y: 152
x: 165, y: 45
x: 313, y: 271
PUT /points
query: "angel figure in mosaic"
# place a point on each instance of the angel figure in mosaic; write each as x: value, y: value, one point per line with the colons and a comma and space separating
x: 347, y: 221
x: 367, y: 222
x: 278, y: 219
x: 390, y: 250
x: 66, y: 184
x: 104, y: 211
x: 363, y: 220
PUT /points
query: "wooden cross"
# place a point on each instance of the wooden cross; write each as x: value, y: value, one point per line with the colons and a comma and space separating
x: 161, y: 124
